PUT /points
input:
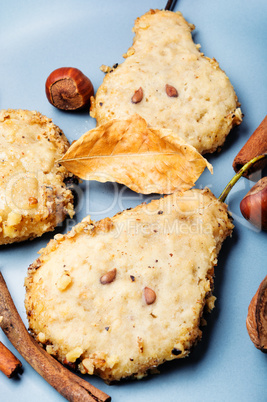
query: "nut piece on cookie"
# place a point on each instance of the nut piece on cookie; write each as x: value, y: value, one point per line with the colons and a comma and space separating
x: 33, y: 196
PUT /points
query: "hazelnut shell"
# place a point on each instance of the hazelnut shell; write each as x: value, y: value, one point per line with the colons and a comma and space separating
x: 67, y: 88
x: 254, y: 205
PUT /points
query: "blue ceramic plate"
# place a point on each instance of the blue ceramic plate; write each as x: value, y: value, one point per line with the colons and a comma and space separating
x: 40, y: 36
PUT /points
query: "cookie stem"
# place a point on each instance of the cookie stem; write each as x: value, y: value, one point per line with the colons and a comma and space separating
x: 170, y: 5
x: 237, y: 176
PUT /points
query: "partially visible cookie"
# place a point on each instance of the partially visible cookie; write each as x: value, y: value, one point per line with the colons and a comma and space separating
x: 33, y: 195
x: 123, y: 295
x: 170, y: 83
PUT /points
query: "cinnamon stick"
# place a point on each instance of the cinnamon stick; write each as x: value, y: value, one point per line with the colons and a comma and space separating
x: 256, y: 145
x: 9, y: 364
x: 68, y: 384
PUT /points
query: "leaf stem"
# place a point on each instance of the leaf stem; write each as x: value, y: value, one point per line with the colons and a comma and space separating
x: 237, y: 176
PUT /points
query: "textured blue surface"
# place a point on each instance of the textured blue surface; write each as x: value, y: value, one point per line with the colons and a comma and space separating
x: 38, y: 36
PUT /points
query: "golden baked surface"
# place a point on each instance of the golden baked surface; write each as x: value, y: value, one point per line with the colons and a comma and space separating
x: 121, y: 296
x: 163, y: 53
x: 33, y: 196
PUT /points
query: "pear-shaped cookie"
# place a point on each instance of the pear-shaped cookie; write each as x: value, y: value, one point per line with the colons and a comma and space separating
x: 121, y: 296
x: 170, y: 83
x: 34, y: 198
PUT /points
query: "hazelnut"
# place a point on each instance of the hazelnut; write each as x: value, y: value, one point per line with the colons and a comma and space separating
x: 257, y: 317
x: 67, y: 88
x: 254, y: 205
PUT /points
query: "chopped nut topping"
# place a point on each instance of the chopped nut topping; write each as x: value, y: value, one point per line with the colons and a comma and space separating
x: 138, y: 96
x: 74, y: 354
x: 64, y: 281
x: 41, y: 337
x: 50, y: 349
x: 88, y: 365
x: 105, y: 69
x: 150, y: 295
x: 13, y: 218
x: 33, y: 201
x: 108, y: 277
x: 171, y: 91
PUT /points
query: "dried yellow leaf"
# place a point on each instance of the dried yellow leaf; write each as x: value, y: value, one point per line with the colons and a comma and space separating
x: 145, y: 159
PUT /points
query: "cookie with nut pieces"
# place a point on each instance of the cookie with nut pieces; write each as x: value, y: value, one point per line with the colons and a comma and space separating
x: 121, y: 296
x: 170, y: 83
x: 33, y: 196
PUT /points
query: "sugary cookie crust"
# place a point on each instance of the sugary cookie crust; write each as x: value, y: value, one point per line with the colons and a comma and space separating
x: 163, y: 52
x: 33, y: 196
x: 86, y: 295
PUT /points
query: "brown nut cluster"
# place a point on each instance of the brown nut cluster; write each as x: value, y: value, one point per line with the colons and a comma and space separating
x: 67, y: 88
x: 257, y: 317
